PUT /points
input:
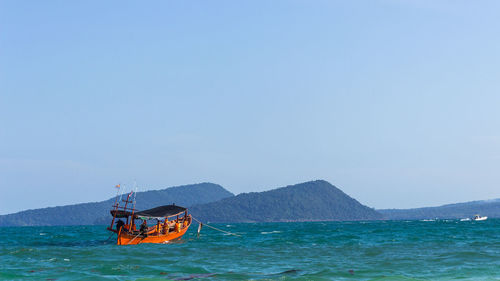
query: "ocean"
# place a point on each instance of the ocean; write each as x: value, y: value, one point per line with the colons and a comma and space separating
x: 373, y: 250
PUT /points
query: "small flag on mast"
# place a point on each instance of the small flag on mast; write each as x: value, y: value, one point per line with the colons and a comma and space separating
x: 117, y: 186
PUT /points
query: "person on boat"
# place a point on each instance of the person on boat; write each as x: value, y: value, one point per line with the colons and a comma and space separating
x: 144, y: 228
x: 119, y: 225
x: 165, y: 227
x: 171, y: 224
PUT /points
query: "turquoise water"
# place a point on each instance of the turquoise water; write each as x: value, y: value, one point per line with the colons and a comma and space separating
x: 382, y: 250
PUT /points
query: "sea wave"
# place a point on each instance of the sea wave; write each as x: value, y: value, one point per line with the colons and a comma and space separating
x: 392, y: 250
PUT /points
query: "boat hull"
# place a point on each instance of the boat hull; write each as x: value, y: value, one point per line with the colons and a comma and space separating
x: 129, y: 239
x: 481, y: 219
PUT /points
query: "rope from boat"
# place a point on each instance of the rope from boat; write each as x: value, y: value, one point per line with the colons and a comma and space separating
x: 215, y: 228
x: 109, y: 237
x: 133, y: 238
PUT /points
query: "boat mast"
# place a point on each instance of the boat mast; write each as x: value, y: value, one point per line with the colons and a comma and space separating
x: 132, y: 223
x: 116, y: 205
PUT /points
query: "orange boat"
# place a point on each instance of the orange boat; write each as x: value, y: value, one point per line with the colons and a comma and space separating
x: 171, y: 222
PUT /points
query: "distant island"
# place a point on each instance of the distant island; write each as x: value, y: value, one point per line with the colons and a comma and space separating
x: 490, y: 208
x: 309, y: 201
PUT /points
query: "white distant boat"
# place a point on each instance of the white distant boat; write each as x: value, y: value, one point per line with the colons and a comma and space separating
x: 479, y: 218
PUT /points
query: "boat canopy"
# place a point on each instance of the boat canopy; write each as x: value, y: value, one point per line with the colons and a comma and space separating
x: 161, y: 212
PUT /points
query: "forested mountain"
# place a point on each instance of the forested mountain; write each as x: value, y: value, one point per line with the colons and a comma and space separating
x: 490, y: 208
x: 309, y: 201
x: 98, y: 212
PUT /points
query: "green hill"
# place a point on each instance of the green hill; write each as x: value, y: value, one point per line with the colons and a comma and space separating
x: 98, y: 212
x: 309, y: 201
x: 490, y: 208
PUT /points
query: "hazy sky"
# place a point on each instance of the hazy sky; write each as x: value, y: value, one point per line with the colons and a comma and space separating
x: 395, y: 102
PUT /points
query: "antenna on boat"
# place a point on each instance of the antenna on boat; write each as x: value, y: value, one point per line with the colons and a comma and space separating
x: 118, y: 186
x: 135, y: 192
x: 121, y: 192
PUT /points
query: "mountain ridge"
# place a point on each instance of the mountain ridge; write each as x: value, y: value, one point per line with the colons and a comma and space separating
x: 98, y: 212
x: 309, y: 201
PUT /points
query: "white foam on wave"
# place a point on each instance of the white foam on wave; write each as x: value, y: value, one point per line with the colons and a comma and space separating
x: 270, y: 232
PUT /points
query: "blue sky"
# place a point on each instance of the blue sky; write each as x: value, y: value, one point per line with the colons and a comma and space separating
x: 394, y: 102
